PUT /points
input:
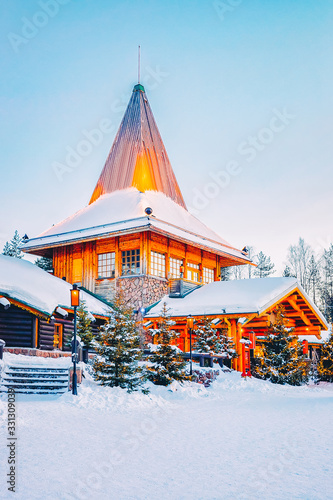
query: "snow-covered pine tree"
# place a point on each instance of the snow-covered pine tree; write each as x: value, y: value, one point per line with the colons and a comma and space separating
x: 225, y: 273
x: 227, y: 345
x: 207, y: 340
x: 44, y: 263
x: 282, y: 360
x: 264, y: 266
x: 12, y: 248
x: 118, y: 351
x: 325, y: 365
x: 287, y: 273
x: 84, y: 329
x: 166, y: 362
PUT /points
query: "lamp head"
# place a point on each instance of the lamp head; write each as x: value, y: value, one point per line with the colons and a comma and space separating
x: 190, y: 321
x: 75, y: 296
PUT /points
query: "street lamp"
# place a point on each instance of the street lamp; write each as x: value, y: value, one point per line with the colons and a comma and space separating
x: 75, y: 302
x: 190, y: 322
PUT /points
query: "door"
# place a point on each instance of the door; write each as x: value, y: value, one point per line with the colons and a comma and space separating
x: 57, y: 339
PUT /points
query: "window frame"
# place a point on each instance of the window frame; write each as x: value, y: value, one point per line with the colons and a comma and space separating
x: 106, y: 265
x: 131, y: 256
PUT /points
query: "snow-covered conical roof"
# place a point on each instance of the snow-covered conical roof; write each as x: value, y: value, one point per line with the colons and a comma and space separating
x: 138, y: 157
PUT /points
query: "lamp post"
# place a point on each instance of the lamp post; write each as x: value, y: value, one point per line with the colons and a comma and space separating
x: 75, y: 302
x: 190, y: 322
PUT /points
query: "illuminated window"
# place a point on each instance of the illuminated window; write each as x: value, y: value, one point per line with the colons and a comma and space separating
x: 207, y: 275
x: 106, y: 265
x: 175, y: 267
x: 192, y: 272
x: 157, y: 264
x: 130, y: 262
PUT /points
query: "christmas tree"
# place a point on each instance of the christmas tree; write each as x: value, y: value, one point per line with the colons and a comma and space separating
x: 282, y: 360
x: 84, y: 329
x: 12, y: 248
x: 227, y: 345
x: 166, y: 362
x: 207, y: 340
x: 118, y: 351
x: 325, y: 365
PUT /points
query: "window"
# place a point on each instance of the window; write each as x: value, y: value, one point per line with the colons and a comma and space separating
x: 130, y: 262
x: 157, y: 264
x: 106, y: 265
x: 192, y: 272
x: 208, y: 275
x: 175, y: 267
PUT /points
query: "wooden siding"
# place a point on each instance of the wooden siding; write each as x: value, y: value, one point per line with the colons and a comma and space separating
x: 46, y: 334
x: 16, y: 327
x: 79, y: 263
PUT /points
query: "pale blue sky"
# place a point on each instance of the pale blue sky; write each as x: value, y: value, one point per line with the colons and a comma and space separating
x: 219, y: 82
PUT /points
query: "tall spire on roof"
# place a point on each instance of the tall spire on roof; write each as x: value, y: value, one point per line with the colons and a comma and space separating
x: 138, y: 157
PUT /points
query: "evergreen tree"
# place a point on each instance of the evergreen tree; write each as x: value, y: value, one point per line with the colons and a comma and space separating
x: 264, y: 266
x: 118, y: 351
x: 325, y: 365
x: 12, y: 248
x: 287, y: 273
x: 227, y: 345
x: 282, y: 360
x: 166, y: 362
x: 84, y: 329
x: 207, y: 340
x: 45, y: 263
x: 225, y: 274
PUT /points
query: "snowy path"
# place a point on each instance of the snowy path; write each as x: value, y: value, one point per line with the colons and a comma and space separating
x: 239, y: 439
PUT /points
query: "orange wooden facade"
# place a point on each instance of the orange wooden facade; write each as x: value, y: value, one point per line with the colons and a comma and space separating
x: 299, y: 313
x: 78, y: 263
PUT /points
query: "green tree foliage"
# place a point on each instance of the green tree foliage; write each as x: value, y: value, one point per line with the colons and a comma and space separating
x: 325, y: 365
x: 226, y: 344
x: 282, y: 360
x: 118, y: 351
x: 84, y: 329
x: 264, y: 266
x: 12, y: 248
x: 207, y: 340
x: 166, y: 362
x: 44, y: 263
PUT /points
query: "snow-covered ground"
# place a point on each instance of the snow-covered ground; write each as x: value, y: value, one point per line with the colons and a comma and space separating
x: 241, y: 439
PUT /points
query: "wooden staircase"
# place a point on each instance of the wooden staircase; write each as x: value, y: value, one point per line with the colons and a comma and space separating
x: 38, y: 379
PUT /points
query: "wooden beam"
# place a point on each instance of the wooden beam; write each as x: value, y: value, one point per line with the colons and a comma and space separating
x: 297, y: 308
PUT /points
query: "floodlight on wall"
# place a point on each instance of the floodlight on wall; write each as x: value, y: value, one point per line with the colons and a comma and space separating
x: 148, y: 211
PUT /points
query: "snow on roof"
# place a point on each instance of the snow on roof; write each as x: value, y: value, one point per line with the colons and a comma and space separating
x: 232, y: 297
x: 25, y: 282
x: 125, y: 210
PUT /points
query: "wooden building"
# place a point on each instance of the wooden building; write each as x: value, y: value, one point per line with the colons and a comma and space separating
x: 136, y: 234
x: 245, y: 308
x: 35, y: 310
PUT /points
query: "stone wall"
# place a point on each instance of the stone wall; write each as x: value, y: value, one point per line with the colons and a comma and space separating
x: 137, y: 291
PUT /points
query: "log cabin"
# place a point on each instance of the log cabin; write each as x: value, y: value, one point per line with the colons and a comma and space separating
x: 136, y: 234
x: 35, y: 311
x: 245, y: 308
